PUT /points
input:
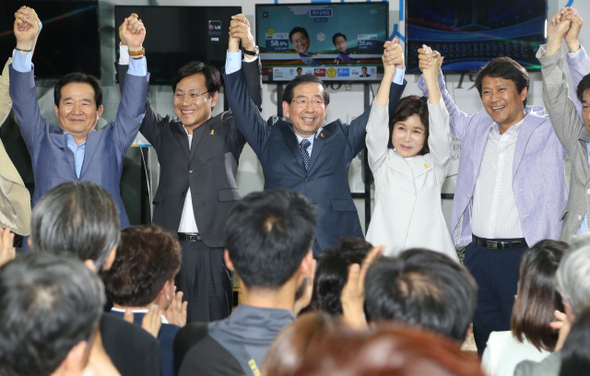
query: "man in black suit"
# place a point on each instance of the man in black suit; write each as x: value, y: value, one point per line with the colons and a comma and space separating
x: 81, y: 219
x: 199, y: 157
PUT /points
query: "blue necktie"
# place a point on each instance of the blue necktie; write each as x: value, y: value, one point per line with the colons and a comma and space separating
x: 303, y: 145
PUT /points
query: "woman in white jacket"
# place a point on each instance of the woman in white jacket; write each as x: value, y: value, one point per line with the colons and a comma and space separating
x: 409, y: 157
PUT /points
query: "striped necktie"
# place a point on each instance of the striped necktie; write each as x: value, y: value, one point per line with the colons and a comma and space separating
x: 303, y: 145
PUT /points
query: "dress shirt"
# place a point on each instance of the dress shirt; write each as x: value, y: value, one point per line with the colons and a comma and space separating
x: 188, y: 223
x: 78, y: 151
x: 140, y: 310
x: 584, y: 225
x: 495, y: 215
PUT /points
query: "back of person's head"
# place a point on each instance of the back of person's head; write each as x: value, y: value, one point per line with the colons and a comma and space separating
x: 289, y: 92
x: 78, y: 78
x: 386, y: 350
x: 50, y: 306
x: 331, y: 272
x: 575, y: 353
x: 268, y: 234
x: 406, y: 107
x: 212, y: 76
x: 572, y: 278
x: 76, y: 218
x: 506, y: 68
x: 422, y: 288
x: 291, y: 346
x: 537, y: 298
x: 147, y: 258
x: 582, y: 87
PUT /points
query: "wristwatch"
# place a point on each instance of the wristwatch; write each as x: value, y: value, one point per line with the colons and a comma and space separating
x: 252, y: 53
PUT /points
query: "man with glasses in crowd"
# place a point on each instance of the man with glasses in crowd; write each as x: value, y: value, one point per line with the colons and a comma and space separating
x: 302, y: 153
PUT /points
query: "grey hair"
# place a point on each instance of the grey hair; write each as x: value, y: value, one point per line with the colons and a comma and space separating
x: 76, y: 218
x: 572, y: 278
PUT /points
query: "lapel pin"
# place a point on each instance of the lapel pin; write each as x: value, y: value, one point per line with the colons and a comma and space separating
x: 426, y: 166
x: 212, y: 132
x: 321, y: 135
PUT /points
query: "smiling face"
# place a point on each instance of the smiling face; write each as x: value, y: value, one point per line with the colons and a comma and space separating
x: 408, y: 136
x: 502, y: 101
x: 77, y: 113
x: 194, y: 112
x: 306, y: 120
x: 340, y: 43
x: 300, y: 42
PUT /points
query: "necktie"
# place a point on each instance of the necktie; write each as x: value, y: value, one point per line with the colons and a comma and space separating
x: 303, y: 147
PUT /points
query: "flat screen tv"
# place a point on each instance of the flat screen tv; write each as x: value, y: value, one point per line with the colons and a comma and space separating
x: 69, y: 41
x: 335, y: 41
x: 470, y: 33
x: 177, y: 35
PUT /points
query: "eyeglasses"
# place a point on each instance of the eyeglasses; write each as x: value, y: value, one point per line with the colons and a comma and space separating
x: 303, y: 102
x: 191, y: 96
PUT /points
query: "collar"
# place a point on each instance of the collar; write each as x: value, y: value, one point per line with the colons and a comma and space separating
x: 139, y: 310
x: 70, y: 138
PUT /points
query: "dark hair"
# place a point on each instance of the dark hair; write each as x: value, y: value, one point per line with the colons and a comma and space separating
x: 293, y: 344
x: 332, y: 272
x: 537, y: 298
x: 336, y: 36
x: 298, y: 29
x: 48, y: 304
x: 82, y: 78
x: 422, y: 288
x: 506, y: 68
x: 76, y: 218
x: 212, y: 76
x: 406, y: 107
x: 300, y: 80
x: 575, y: 353
x: 582, y: 87
x: 268, y: 234
x: 147, y: 258
x: 384, y: 350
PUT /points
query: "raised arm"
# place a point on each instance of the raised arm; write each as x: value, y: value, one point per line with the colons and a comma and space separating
x: 378, y: 123
x: 439, y: 139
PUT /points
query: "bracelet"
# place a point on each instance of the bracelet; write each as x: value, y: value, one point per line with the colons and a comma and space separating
x: 22, y: 49
x: 137, y: 53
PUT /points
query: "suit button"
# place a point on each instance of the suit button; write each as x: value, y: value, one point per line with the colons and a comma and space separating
x: 190, y: 171
x: 308, y: 179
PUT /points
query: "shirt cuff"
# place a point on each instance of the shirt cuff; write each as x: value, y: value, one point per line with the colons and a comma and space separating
x: 138, y: 67
x: 21, y: 62
x: 249, y: 58
x: 233, y: 63
x: 398, y: 76
x: 123, y: 54
x: 571, y: 55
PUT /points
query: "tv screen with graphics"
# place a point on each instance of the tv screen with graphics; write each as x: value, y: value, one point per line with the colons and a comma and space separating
x: 177, y: 35
x: 335, y: 41
x: 69, y: 41
x: 470, y: 33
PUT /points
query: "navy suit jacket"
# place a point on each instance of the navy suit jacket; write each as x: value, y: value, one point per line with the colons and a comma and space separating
x: 325, y: 182
x: 53, y: 161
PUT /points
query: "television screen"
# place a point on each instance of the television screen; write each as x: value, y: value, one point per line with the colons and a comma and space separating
x: 69, y: 41
x: 335, y: 41
x: 177, y: 35
x: 470, y: 33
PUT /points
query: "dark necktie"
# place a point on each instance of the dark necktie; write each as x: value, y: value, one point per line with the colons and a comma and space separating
x: 303, y: 147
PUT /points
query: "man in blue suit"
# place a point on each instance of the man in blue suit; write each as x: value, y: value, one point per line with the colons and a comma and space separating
x: 74, y: 150
x: 303, y: 153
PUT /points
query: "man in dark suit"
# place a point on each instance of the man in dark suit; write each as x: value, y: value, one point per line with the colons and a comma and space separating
x: 198, y: 157
x: 304, y: 154
x: 74, y: 150
x: 81, y: 219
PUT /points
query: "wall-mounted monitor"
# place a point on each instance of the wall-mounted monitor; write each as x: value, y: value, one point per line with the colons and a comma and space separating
x: 470, y: 33
x: 69, y: 41
x: 177, y: 35
x: 335, y: 41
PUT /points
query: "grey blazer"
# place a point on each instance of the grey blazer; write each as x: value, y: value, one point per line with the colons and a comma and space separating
x: 570, y: 130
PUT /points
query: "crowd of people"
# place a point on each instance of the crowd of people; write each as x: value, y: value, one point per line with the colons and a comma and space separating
x: 89, y: 294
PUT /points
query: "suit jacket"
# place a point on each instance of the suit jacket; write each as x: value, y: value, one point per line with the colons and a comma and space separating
x: 538, y: 181
x: 549, y: 366
x: 53, y: 161
x: 325, y: 182
x: 15, y: 199
x: 407, y: 193
x: 571, y: 132
x: 134, y: 351
x: 208, y: 168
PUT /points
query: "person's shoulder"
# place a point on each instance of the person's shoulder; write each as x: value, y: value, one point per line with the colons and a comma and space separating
x: 207, y: 357
x: 547, y: 367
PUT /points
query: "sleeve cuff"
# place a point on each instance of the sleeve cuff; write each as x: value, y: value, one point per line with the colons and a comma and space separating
x: 21, y: 62
x: 138, y: 67
x: 398, y: 76
x: 123, y: 54
x: 233, y: 62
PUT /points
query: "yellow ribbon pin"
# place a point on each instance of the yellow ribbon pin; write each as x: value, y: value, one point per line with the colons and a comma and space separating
x: 212, y: 132
x: 426, y: 166
x: 321, y: 135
